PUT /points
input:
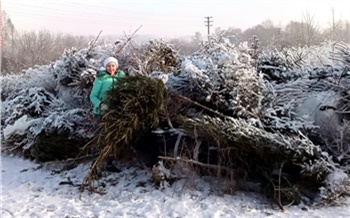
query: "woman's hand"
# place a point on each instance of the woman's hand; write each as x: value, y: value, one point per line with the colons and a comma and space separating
x: 103, y: 107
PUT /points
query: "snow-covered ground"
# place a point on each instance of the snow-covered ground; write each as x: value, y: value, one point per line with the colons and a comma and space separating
x: 30, y: 191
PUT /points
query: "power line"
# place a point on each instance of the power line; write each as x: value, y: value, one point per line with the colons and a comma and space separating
x: 99, y: 20
x: 152, y: 13
x: 89, y: 10
x: 116, y: 17
x: 83, y: 14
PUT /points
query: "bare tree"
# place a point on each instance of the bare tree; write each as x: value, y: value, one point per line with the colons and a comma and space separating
x: 197, y: 37
x: 8, y: 33
x: 265, y: 31
x: 335, y: 27
x: 184, y: 47
x: 338, y: 30
x: 21, y: 50
x: 311, y: 31
x: 234, y: 35
x: 8, y: 29
x: 36, y: 48
x: 347, y: 31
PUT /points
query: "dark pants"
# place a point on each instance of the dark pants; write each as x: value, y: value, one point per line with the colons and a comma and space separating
x: 96, y: 131
x: 96, y: 122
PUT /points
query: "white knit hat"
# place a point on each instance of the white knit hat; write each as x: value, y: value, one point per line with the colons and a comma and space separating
x: 110, y: 59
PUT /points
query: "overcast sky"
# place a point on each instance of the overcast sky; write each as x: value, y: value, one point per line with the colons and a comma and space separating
x: 166, y: 18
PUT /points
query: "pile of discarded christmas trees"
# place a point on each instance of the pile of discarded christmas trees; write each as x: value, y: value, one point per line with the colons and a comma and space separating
x: 221, y: 118
x: 226, y: 111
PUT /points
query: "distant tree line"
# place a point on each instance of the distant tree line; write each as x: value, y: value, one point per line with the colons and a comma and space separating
x: 295, y: 34
x: 21, y: 50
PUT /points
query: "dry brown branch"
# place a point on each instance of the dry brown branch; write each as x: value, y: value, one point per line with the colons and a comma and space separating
x: 127, y: 40
x: 61, y: 165
x: 93, y: 172
x: 278, y: 190
x: 200, y: 105
x: 190, y: 161
x: 333, y: 197
x: 223, y: 178
x: 93, y: 43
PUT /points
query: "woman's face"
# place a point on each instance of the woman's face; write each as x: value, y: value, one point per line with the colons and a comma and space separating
x: 111, y: 68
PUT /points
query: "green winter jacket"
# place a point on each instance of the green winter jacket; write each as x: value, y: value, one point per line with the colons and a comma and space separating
x: 102, y: 84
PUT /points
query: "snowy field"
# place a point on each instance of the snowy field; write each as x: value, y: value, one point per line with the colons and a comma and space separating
x: 31, y: 191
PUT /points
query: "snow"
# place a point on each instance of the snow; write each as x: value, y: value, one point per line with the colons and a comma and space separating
x: 311, y: 105
x: 337, y: 177
x: 29, y: 190
x: 19, y: 127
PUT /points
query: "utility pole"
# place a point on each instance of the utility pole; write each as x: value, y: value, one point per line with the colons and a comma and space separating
x: 208, y: 21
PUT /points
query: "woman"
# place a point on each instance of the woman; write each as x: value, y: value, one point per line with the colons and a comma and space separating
x: 103, y: 83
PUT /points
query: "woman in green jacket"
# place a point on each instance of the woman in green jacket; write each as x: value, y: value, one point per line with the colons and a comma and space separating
x: 103, y: 82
